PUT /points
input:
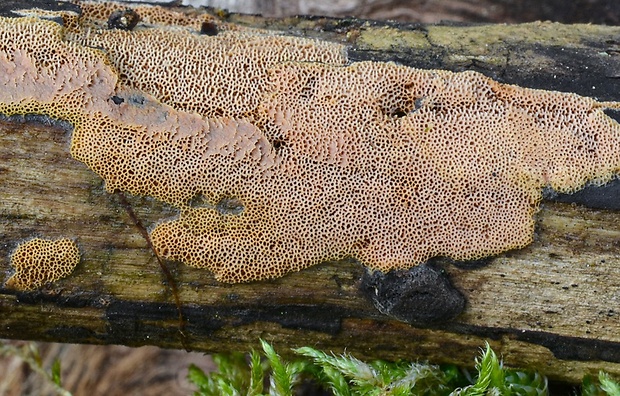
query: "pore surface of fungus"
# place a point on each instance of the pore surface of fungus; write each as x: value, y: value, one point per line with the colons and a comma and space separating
x: 40, y: 261
x: 281, y: 156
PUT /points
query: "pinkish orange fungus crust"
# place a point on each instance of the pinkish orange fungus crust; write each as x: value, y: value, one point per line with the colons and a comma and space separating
x: 40, y: 261
x: 280, y: 156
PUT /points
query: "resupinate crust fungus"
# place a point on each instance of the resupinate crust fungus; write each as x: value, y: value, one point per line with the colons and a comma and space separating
x: 39, y: 261
x: 296, y: 156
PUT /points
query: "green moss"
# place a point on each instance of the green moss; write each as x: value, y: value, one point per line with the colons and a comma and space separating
x: 392, y: 39
x: 480, y: 38
x: 347, y: 376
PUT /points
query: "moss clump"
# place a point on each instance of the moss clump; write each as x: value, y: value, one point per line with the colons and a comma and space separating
x: 346, y: 375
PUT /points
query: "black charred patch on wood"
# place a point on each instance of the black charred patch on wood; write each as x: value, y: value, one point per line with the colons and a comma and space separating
x: 421, y: 296
x: 562, y: 347
x: 605, y: 197
x: 128, y: 320
x: 471, y: 264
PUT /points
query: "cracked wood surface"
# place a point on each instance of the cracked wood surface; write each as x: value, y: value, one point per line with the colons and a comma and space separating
x: 552, y: 306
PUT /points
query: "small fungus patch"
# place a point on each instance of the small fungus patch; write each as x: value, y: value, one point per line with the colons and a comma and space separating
x: 280, y: 155
x: 40, y: 261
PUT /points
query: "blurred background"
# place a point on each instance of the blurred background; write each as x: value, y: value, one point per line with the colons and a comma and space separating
x: 433, y: 11
x: 118, y: 370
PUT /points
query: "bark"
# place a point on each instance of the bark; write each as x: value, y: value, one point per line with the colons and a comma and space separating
x: 552, y: 306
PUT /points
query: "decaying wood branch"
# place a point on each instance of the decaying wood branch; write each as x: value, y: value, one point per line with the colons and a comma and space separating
x: 552, y: 306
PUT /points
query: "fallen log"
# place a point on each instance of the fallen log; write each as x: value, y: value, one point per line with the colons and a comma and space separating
x: 552, y: 306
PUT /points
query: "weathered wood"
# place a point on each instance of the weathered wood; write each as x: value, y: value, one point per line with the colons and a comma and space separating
x: 552, y: 306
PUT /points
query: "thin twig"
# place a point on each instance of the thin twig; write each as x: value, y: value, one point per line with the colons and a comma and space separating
x: 171, y: 282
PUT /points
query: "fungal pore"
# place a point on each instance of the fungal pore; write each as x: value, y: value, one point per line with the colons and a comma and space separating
x: 39, y: 261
